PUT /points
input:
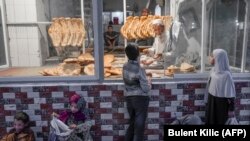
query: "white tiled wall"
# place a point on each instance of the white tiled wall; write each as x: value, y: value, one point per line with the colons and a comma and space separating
x: 24, y: 46
x: 24, y: 40
x: 21, y: 10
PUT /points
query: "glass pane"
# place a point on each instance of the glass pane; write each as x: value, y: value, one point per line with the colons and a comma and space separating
x: 57, y: 43
x: 137, y: 29
x: 76, y: 46
x: 184, y: 48
x: 226, y: 30
x: 2, y: 46
x: 64, y: 8
x: 114, y: 57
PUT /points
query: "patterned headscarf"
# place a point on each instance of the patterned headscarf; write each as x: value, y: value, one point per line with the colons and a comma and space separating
x: 80, y: 101
x: 78, y: 116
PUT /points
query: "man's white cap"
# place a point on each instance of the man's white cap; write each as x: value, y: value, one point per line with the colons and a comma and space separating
x: 157, y: 22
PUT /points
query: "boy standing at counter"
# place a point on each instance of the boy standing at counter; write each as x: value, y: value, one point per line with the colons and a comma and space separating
x: 137, y: 88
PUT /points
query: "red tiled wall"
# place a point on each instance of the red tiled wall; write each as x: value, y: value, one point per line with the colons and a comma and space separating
x: 107, y: 104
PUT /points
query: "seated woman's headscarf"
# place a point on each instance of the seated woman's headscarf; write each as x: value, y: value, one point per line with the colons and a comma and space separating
x: 78, y: 116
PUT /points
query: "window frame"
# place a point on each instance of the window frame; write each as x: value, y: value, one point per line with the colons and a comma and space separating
x: 99, y: 53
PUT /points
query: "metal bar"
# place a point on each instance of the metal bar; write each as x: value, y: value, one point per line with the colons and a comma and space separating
x: 98, y: 38
x: 82, y: 16
x: 125, y: 17
x: 236, y: 36
x: 245, y: 38
x: 5, y: 34
x: 28, y: 23
x: 203, y: 35
x: 148, y: 3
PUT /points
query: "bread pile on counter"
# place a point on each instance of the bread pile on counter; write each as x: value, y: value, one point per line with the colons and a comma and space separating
x: 109, y: 70
x: 142, y: 27
x: 71, y: 66
x: 185, y: 67
x: 67, y: 32
x: 83, y: 64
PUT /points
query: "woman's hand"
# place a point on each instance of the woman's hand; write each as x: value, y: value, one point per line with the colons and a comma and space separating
x: 147, y: 62
x: 72, y: 126
x: 54, y: 115
x: 145, y: 51
x: 157, y: 56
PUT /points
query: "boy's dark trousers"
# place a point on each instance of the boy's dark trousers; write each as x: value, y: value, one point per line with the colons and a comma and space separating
x: 138, y: 109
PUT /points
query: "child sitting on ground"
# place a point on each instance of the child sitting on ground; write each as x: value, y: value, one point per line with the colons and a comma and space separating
x: 21, y: 130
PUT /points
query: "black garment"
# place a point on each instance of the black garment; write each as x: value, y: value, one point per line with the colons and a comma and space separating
x: 217, y: 109
x: 137, y: 108
x: 112, y: 34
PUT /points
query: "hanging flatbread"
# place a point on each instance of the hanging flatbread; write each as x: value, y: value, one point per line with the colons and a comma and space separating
x: 55, y: 32
x: 125, y: 27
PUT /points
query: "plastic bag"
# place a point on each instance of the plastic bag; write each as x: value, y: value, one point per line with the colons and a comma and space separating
x: 232, y: 121
x: 60, y: 128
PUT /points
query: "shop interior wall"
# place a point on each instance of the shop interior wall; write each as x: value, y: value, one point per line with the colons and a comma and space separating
x: 108, y: 109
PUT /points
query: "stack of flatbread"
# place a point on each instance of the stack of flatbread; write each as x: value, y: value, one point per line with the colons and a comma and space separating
x: 142, y: 27
x: 72, y: 66
x: 185, y: 67
x: 108, y: 59
x: 86, y: 58
x: 171, y: 70
x: 109, y: 69
x: 89, y: 69
x: 67, y: 32
x: 69, y: 69
x: 63, y: 69
x: 85, y: 62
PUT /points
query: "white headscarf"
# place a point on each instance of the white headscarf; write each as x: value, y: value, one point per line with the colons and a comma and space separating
x: 221, y: 81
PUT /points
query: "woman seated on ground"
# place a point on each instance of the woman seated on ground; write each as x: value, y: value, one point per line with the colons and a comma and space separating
x: 75, y: 119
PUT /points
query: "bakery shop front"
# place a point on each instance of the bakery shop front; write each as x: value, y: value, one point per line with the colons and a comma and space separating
x: 51, y: 49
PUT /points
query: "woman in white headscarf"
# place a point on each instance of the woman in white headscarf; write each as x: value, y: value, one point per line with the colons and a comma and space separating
x: 221, y: 90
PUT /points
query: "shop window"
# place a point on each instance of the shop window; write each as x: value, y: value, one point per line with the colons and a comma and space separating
x: 49, y: 38
x: 3, y: 60
x: 226, y: 24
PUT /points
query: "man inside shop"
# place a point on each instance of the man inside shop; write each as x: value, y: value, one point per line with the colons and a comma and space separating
x: 154, y: 54
x: 111, y: 37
